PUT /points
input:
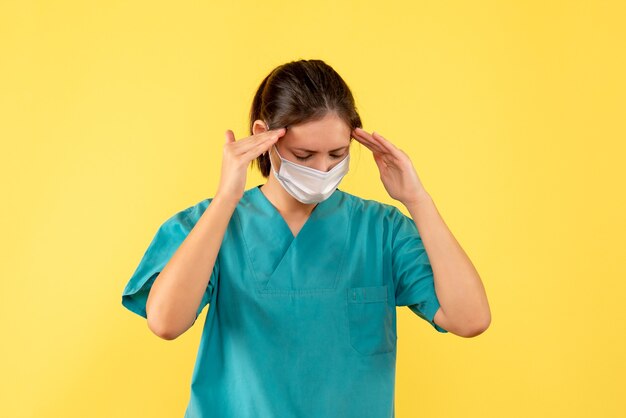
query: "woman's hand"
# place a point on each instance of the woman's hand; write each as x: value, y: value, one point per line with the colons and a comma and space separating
x: 236, y: 158
x: 396, y: 170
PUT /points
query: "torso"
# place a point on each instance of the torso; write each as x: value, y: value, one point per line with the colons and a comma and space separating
x: 320, y: 306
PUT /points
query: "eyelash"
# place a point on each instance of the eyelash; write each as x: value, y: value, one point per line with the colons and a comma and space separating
x: 307, y: 157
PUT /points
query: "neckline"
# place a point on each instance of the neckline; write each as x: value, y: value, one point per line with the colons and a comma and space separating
x: 319, y: 209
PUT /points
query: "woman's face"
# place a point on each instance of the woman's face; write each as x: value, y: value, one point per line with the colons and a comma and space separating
x: 319, y: 144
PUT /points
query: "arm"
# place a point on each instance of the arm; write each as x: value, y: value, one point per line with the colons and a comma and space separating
x: 178, y: 289
x: 464, y: 308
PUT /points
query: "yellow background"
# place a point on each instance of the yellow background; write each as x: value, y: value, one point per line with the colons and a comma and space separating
x: 113, y: 117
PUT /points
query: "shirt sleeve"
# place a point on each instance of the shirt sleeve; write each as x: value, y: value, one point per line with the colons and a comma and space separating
x: 412, y: 272
x: 164, y: 244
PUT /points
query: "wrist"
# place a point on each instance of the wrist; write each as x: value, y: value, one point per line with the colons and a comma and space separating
x: 223, y: 200
x: 418, y: 198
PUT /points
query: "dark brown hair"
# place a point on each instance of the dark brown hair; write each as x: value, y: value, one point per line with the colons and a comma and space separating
x: 298, y: 92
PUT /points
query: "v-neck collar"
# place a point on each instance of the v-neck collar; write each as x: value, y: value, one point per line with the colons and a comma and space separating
x: 311, y: 261
x: 322, y: 208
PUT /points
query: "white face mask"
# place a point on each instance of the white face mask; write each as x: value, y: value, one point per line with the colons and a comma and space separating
x: 306, y: 184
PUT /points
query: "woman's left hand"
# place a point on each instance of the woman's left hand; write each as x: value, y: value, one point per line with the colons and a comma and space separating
x: 396, y: 169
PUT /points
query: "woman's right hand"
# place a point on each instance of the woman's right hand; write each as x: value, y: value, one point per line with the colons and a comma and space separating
x: 236, y: 158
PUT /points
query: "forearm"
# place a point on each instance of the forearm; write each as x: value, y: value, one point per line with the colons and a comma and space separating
x: 458, y: 286
x: 178, y: 290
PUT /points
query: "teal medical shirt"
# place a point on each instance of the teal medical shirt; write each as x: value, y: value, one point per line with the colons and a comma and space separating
x: 299, y: 327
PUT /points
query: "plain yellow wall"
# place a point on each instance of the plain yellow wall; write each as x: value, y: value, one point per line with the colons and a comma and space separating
x: 113, y: 116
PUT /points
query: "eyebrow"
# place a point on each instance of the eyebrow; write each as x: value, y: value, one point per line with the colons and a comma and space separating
x: 314, y: 152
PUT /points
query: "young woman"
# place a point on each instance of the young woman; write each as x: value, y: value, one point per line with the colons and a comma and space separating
x: 303, y: 279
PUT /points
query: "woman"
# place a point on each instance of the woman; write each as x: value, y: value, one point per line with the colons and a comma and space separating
x: 303, y: 278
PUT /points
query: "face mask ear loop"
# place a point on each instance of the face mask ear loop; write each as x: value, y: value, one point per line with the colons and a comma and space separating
x: 280, y: 158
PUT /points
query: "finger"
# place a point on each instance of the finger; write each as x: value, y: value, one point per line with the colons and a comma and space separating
x: 369, y: 143
x: 245, y: 144
x: 369, y: 137
x: 359, y: 136
x: 260, y: 146
x: 378, y: 159
x: 253, y: 152
x: 380, y: 141
x: 230, y: 136
x: 271, y: 132
x: 264, y: 136
x: 370, y: 146
x: 384, y: 142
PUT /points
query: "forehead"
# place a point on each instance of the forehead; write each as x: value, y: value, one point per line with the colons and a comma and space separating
x: 321, y: 135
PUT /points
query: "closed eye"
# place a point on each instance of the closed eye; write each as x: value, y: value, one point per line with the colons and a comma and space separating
x: 309, y: 156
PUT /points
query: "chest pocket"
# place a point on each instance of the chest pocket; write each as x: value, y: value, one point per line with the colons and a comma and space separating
x: 370, y: 320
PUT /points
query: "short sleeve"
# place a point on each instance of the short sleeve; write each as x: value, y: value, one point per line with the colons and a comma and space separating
x: 412, y: 272
x: 164, y: 244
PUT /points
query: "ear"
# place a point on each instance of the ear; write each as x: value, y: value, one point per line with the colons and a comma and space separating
x: 258, y: 127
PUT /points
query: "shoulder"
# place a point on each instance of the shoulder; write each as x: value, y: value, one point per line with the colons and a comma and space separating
x: 371, y: 208
x: 381, y: 216
x: 187, y: 217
